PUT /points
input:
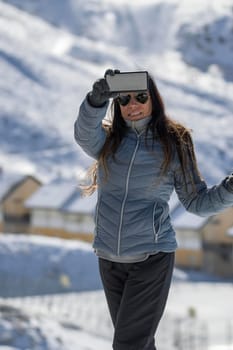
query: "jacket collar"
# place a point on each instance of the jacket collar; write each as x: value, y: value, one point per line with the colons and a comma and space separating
x: 138, y: 125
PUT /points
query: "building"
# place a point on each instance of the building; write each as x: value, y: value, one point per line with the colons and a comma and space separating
x: 58, y: 209
x: 188, y: 229
x: 218, y: 244
x: 205, y: 242
x: 14, y: 190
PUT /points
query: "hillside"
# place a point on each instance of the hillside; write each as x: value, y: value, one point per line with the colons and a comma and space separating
x: 51, y: 52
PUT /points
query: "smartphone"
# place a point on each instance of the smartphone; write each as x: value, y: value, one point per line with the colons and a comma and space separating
x: 128, y: 81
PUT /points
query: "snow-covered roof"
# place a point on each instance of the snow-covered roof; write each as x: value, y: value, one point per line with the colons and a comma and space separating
x: 63, y: 195
x: 85, y: 205
x: 8, y: 180
x: 188, y: 220
x: 53, y: 195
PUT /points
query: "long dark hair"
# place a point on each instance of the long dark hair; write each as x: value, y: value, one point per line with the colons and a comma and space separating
x: 172, y: 135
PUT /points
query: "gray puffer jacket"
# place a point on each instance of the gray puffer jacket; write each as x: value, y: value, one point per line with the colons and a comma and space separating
x: 132, y: 213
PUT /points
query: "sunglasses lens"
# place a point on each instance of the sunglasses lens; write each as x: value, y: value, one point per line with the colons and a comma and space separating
x: 142, y: 97
x: 123, y: 99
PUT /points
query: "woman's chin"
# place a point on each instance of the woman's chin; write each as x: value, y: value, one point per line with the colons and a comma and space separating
x: 135, y: 117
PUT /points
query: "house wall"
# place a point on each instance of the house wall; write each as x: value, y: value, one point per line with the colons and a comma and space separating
x: 189, y: 253
x: 15, y: 217
x: 84, y: 222
x: 47, y: 218
x: 209, y: 248
x: 59, y: 224
x: 13, y: 205
x: 188, y: 239
x: 188, y: 258
x: 17, y: 226
x: 1, y: 226
x: 1, y: 220
x: 219, y: 260
x: 53, y: 232
x: 215, y: 230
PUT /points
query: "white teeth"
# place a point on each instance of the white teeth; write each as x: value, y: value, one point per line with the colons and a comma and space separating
x: 134, y: 114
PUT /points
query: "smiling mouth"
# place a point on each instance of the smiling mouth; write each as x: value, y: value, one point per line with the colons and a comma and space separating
x: 136, y: 114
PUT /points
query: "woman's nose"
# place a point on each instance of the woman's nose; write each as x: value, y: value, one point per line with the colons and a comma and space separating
x: 133, y: 101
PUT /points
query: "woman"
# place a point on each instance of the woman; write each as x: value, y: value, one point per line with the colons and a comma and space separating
x: 142, y: 156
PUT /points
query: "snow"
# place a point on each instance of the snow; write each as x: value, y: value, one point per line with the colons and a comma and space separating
x: 188, y: 220
x: 83, y: 205
x: 173, y: 202
x: 7, y: 181
x: 46, y: 266
x: 53, y: 195
x: 52, y: 53
x: 62, y: 194
x: 52, y: 299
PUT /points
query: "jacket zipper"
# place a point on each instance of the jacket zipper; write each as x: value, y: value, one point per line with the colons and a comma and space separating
x: 156, y: 233
x: 126, y: 193
x: 160, y: 224
x: 97, y: 215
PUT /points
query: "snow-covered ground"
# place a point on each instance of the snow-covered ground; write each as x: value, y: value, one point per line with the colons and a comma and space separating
x: 73, y: 314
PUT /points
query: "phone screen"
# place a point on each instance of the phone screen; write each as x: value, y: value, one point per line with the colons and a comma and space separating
x: 128, y: 81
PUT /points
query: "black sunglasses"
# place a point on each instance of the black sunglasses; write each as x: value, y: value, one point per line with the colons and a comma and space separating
x: 141, y: 97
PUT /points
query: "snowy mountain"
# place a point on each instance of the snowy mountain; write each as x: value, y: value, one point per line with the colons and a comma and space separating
x: 52, y: 51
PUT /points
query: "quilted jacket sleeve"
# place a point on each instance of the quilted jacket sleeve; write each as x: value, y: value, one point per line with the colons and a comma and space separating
x: 88, y: 130
x: 198, y: 198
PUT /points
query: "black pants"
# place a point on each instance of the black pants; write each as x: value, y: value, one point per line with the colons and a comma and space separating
x: 136, y: 294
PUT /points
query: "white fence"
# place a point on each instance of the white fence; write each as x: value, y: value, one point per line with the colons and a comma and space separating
x: 88, y: 311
